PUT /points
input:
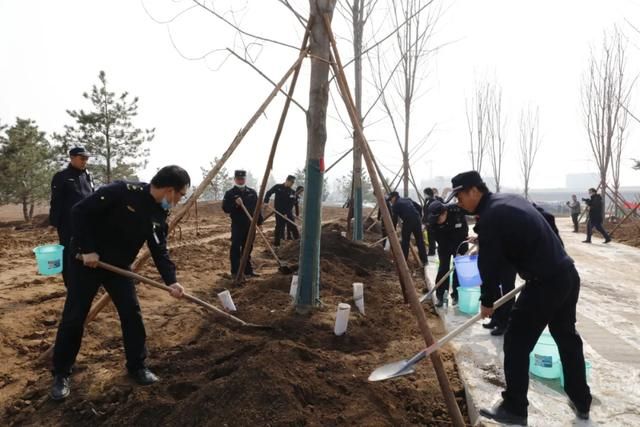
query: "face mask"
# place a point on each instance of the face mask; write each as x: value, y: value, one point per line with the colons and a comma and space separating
x: 241, y: 186
x: 165, y: 204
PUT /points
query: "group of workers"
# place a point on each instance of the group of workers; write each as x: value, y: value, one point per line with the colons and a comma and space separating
x: 112, y: 223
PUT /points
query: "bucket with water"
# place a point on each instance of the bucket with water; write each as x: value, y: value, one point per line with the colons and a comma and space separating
x: 49, y: 259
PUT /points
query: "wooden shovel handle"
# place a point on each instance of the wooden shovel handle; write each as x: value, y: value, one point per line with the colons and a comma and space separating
x: 156, y: 284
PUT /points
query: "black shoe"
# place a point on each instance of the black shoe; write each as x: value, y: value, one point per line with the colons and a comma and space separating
x: 583, y: 415
x: 492, y: 324
x: 144, y: 376
x: 586, y: 241
x: 60, y: 389
x: 499, y: 330
x: 439, y: 302
x: 607, y: 240
x: 500, y: 414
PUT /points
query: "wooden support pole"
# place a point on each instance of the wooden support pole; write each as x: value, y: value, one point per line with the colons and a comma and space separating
x: 447, y: 392
x: 248, y: 245
x: 183, y: 209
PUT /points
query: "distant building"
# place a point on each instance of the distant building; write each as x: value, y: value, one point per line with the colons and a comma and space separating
x: 582, y: 181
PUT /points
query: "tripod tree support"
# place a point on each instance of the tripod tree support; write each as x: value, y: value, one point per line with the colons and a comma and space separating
x: 401, y: 264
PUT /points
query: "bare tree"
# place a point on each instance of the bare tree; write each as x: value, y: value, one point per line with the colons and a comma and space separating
x: 412, y: 48
x: 478, y: 116
x: 529, y: 144
x: 496, y: 127
x: 616, y: 153
x: 605, y: 90
x: 357, y: 12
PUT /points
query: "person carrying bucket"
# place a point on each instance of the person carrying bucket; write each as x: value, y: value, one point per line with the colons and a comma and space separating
x: 68, y: 187
x: 448, y: 225
x: 111, y: 225
x: 512, y: 232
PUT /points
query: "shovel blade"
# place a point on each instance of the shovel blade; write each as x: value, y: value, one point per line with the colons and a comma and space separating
x: 392, y: 370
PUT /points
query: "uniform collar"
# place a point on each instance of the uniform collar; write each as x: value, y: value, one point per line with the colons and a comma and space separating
x: 75, y: 170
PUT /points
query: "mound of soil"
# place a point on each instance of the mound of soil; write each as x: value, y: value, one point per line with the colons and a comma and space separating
x: 215, y: 373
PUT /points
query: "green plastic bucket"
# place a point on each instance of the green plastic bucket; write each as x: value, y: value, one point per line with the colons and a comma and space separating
x: 49, y: 259
x: 544, y: 360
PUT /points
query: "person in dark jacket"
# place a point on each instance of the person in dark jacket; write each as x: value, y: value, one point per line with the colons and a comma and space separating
x: 574, y: 206
x: 111, y: 225
x: 448, y: 224
x: 429, y: 198
x: 68, y: 187
x: 409, y: 212
x: 596, y: 213
x: 285, y: 198
x: 240, y: 223
x: 292, y: 230
x: 511, y: 232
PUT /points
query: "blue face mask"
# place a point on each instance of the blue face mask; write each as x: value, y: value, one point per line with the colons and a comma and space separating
x: 165, y: 204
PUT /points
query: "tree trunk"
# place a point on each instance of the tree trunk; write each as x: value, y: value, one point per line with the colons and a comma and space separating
x: 358, y: 28
x: 309, y: 271
x: 405, y: 154
x: 25, y: 210
x: 31, y: 209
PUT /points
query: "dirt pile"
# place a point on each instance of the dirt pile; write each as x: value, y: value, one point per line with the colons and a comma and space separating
x: 215, y: 373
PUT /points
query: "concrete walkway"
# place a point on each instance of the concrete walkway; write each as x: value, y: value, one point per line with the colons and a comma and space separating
x: 609, y: 322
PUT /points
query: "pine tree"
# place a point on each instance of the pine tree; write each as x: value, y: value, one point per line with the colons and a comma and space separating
x: 107, y: 131
x: 26, y: 166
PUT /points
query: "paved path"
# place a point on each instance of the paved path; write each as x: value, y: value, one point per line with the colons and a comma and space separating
x: 609, y: 322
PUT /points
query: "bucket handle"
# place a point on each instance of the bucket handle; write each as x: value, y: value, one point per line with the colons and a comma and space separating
x: 473, y: 245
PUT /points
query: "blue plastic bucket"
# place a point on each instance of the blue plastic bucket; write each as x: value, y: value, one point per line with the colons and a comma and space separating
x: 469, y: 300
x: 49, y: 259
x: 467, y: 270
x: 587, y: 371
x: 544, y: 360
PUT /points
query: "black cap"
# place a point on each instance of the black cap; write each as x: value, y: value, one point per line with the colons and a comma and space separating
x: 240, y: 173
x: 392, y: 195
x: 434, y: 211
x: 79, y: 151
x: 291, y: 178
x: 464, y: 181
x: 428, y: 191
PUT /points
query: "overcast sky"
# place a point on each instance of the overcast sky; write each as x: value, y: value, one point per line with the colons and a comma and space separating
x: 51, y: 52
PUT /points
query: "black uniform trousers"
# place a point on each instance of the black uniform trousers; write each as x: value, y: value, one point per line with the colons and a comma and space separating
x: 84, y: 283
x: 239, y: 233
x: 508, y: 283
x: 432, y: 243
x: 598, y: 226
x: 410, y: 227
x: 541, y: 303
x: 445, y: 252
x: 574, y: 218
x: 64, y: 236
x: 292, y: 230
x: 281, y: 224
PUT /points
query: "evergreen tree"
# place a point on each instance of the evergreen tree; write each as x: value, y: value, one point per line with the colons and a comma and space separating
x: 26, y: 166
x: 107, y: 131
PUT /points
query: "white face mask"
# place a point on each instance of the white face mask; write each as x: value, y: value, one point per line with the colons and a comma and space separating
x: 241, y: 186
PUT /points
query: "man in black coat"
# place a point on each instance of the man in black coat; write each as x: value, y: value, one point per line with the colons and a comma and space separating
x: 596, y: 213
x: 232, y: 203
x: 284, y: 202
x: 448, y: 225
x: 111, y: 225
x: 511, y: 232
x: 68, y: 187
x: 409, y: 212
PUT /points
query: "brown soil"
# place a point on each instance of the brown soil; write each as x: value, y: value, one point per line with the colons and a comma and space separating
x: 213, y: 372
x: 628, y: 233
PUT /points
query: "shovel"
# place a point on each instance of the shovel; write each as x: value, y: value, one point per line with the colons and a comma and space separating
x: 282, y: 267
x: 405, y: 367
x: 189, y: 297
x: 282, y: 216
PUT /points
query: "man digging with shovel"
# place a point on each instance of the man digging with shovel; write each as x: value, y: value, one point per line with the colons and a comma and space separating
x: 111, y: 225
x: 512, y: 232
